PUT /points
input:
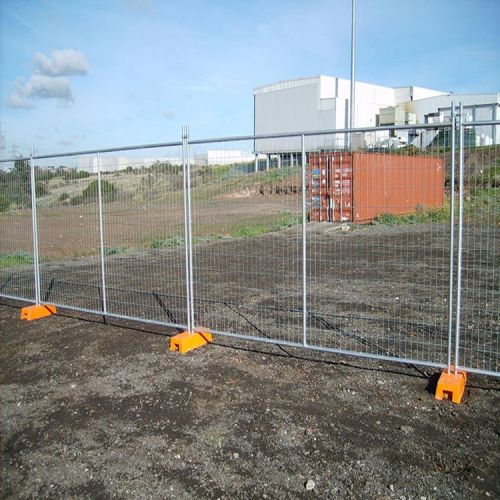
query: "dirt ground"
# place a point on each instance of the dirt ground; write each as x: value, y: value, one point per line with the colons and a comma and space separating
x: 90, y: 410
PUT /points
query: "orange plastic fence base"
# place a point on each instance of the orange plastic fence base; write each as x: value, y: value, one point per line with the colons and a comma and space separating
x: 36, y: 312
x: 187, y: 341
x: 451, y: 386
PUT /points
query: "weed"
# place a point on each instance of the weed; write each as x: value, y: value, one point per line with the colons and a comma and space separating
x: 115, y: 250
x: 174, y: 241
x: 260, y: 227
x: 18, y: 258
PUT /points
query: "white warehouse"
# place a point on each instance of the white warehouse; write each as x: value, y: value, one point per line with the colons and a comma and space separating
x: 322, y: 103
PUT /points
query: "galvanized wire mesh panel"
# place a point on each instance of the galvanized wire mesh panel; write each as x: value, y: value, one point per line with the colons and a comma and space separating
x: 68, y: 231
x: 480, y: 300
x: 16, y: 240
x: 378, y: 245
x: 247, y: 243
x: 143, y: 237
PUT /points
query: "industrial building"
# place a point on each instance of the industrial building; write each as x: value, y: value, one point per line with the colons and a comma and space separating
x: 322, y: 103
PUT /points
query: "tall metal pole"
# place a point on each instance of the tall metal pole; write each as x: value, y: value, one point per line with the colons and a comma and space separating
x: 101, y: 236
x: 452, y: 235
x: 34, y: 228
x: 460, y: 236
x: 304, y: 243
x: 353, y: 64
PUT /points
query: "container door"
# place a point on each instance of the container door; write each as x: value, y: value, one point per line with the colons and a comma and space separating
x: 319, y: 188
x: 341, y: 186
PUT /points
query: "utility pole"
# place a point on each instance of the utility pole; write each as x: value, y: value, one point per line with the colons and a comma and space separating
x: 352, y: 106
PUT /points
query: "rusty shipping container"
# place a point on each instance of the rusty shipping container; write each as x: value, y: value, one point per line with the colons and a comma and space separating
x: 358, y: 187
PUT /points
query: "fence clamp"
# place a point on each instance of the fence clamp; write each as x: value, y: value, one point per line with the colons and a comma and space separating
x: 37, y: 311
x: 187, y: 341
x: 451, y: 385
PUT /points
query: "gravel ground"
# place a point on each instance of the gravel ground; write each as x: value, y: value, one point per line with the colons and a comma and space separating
x: 97, y: 411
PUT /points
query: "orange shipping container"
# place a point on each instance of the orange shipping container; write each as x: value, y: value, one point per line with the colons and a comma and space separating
x: 363, y: 186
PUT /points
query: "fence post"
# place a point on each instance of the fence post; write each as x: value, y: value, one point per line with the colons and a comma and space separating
x: 190, y: 339
x: 190, y: 229
x: 452, y: 237
x: 101, y: 237
x: 34, y: 223
x: 452, y: 385
x: 186, y: 226
x: 304, y: 242
x: 460, y: 235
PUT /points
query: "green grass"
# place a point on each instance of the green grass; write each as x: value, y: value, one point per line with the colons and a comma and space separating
x: 157, y: 243
x: 259, y: 227
x: 18, y: 258
x: 115, y: 250
x: 419, y: 217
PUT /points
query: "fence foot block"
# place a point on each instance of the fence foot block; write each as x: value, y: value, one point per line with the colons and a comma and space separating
x: 451, y: 385
x: 33, y: 312
x: 187, y: 341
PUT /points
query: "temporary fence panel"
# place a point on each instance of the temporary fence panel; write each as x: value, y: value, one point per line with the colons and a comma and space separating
x: 479, y: 327
x: 68, y: 231
x: 247, y: 241
x: 383, y: 289
x: 143, y: 234
x: 259, y: 238
x: 17, y: 276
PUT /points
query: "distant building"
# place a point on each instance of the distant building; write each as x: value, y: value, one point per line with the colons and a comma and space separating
x: 116, y: 163
x: 322, y: 103
x: 223, y: 157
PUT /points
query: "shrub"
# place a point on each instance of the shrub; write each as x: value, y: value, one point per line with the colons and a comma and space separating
x: 76, y: 200
x: 41, y: 189
x: 4, y: 204
x: 63, y: 196
x: 108, y: 191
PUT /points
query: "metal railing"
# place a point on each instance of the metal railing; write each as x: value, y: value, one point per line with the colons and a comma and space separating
x: 386, y: 252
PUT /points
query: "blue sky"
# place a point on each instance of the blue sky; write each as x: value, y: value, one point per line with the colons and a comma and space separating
x: 133, y: 71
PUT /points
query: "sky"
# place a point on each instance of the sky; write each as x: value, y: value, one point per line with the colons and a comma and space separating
x: 85, y: 74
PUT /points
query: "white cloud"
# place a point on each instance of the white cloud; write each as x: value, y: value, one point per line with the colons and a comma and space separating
x: 62, y: 63
x: 18, y: 101
x: 49, y: 80
x: 48, y: 87
x: 170, y: 114
x: 40, y: 87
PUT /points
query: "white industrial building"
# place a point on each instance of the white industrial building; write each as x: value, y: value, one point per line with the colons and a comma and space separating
x: 322, y: 103
x: 223, y: 157
x: 116, y: 163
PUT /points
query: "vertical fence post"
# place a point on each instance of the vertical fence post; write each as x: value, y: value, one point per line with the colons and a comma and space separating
x: 190, y: 228
x: 452, y: 237
x: 460, y: 235
x: 185, y: 187
x: 34, y: 224
x: 304, y: 242
x: 101, y: 236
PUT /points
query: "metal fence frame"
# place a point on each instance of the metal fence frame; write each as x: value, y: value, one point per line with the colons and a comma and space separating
x: 455, y: 262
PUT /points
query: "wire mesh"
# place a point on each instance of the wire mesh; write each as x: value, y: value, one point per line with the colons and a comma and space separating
x: 68, y: 237
x: 16, y: 236
x: 334, y: 241
x: 378, y: 245
x: 143, y: 237
x: 480, y: 301
x: 246, y: 219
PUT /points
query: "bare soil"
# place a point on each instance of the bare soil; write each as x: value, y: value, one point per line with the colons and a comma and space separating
x: 90, y: 410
